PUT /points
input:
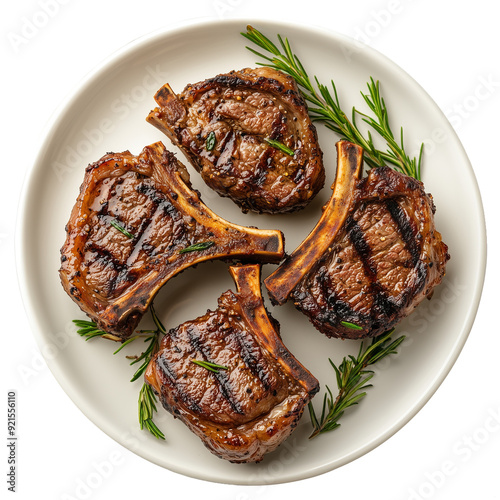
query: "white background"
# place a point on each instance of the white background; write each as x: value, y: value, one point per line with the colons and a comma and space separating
x: 451, y: 449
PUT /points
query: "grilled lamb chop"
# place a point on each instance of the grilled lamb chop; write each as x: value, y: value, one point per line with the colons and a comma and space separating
x: 133, y: 228
x: 252, y: 403
x: 222, y: 125
x: 372, y: 258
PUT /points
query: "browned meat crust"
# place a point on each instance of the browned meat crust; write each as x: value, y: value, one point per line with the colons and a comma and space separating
x: 245, y: 410
x: 222, y: 124
x: 126, y: 236
x: 382, y: 258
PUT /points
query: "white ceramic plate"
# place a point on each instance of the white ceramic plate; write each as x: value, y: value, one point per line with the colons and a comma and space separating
x: 107, y: 113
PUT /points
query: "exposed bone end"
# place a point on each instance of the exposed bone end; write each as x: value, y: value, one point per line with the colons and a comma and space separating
x: 281, y: 283
x: 248, y: 283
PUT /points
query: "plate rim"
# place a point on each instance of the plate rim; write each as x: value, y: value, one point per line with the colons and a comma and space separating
x: 37, y: 165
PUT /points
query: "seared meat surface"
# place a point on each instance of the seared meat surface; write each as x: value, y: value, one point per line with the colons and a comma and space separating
x: 133, y: 228
x: 222, y: 125
x: 383, y: 257
x: 249, y: 405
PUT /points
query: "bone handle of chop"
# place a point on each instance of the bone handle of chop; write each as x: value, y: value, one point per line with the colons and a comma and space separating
x: 281, y: 283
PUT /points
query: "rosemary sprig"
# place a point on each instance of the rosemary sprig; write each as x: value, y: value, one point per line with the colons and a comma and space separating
x: 396, y: 153
x: 147, y: 398
x: 352, y: 380
x: 211, y: 367
x: 326, y: 107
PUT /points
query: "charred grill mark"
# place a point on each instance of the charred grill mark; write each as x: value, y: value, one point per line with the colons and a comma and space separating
x: 362, y: 248
x: 296, y: 97
x: 103, y: 212
x: 339, y: 310
x: 228, y: 145
x: 230, y: 80
x: 412, y: 242
x: 162, y: 205
x: 170, y: 374
x: 221, y: 375
x: 421, y: 276
x: 405, y: 228
x: 262, y: 167
x: 105, y: 257
x: 251, y: 362
x: 227, y: 81
x: 124, y: 275
x: 381, y: 301
x: 335, y: 309
x: 279, y: 127
x: 158, y: 199
x: 272, y: 82
x: 382, y: 304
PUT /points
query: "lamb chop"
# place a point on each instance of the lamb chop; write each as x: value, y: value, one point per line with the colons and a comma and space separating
x: 226, y: 126
x: 135, y: 225
x: 252, y: 394
x: 374, y: 255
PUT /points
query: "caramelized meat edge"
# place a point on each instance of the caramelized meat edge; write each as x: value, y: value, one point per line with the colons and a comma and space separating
x: 133, y: 228
x: 373, y: 257
x: 223, y: 125
x: 250, y: 405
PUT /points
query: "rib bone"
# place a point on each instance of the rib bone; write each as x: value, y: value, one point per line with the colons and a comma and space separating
x: 349, y: 165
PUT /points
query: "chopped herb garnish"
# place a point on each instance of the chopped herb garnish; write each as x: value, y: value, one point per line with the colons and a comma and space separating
x: 279, y: 145
x: 121, y: 229
x: 210, y: 142
x: 197, y: 247
x: 212, y: 367
x: 351, y: 325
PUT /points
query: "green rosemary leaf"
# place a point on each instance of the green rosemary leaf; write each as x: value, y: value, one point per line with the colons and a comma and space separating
x: 145, y: 356
x: 210, y: 141
x: 353, y: 326
x: 279, y: 145
x: 197, y: 247
x: 120, y: 228
x: 159, y: 325
x: 128, y: 341
x: 88, y: 329
x: 147, y: 408
x: 312, y: 415
x: 212, y: 367
x: 83, y: 323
